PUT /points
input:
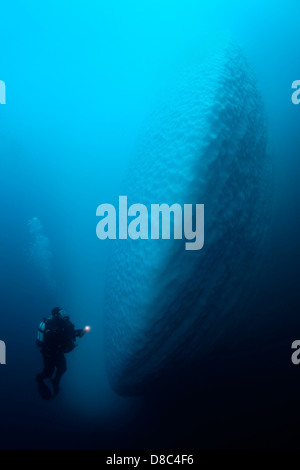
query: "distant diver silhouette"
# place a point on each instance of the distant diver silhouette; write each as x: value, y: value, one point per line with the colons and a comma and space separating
x: 56, y: 337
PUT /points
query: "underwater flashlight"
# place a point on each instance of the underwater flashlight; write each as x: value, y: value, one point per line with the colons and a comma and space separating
x: 81, y: 333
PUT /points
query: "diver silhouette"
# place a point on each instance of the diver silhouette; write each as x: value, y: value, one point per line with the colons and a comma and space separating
x: 56, y: 337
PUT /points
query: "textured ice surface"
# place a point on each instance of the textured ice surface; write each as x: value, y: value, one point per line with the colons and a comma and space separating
x: 205, y: 143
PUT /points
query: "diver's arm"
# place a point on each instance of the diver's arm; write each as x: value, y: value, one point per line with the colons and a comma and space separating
x: 82, y: 332
x: 79, y: 333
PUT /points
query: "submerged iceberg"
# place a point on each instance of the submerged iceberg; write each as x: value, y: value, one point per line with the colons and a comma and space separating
x: 205, y: 143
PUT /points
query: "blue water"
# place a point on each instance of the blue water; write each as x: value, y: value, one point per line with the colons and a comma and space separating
x: 81, y: 79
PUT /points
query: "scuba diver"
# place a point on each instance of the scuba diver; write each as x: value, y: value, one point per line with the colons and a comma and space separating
x: 56, y: 337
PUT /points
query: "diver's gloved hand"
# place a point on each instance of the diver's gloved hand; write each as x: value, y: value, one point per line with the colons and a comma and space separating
x: 81, y: 333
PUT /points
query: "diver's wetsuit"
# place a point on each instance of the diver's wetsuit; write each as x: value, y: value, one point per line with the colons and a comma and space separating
x: 52, y: 360
x: 60, y: 339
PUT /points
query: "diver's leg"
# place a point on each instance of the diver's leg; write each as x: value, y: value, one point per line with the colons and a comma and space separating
x: 45, y: 374
x: 61, y: 367
x: 49, y: 366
